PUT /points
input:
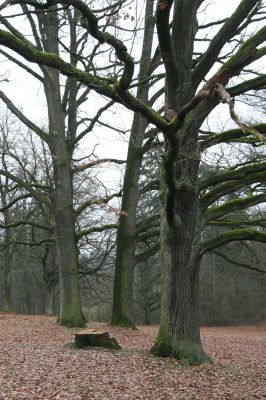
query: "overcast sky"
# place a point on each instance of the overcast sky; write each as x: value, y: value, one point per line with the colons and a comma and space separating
x: 27, y: 93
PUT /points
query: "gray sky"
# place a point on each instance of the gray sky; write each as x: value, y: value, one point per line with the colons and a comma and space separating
x: 27, y: 93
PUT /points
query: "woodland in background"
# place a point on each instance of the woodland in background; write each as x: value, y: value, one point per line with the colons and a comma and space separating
x: 229, y: 294
x: 183, y: 234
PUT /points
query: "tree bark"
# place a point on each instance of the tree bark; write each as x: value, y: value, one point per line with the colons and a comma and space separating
x: 181, y: 225
x: 179, y: 333
x: 6, y: 280
x: 6, y: 254
x: 50, y: 306
x: 70, y: 313
x: 125, y: 254
x: 51, y: 277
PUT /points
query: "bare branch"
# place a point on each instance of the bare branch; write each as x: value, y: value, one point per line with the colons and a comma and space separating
x: 237, y: 263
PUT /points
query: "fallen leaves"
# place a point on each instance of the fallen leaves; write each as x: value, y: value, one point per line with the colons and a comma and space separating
x: 34, y: 364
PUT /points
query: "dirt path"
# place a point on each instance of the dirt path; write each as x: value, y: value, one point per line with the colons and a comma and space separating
x: 34, y: 364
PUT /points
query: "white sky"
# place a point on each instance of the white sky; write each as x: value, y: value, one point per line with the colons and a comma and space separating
x: 27, y: 94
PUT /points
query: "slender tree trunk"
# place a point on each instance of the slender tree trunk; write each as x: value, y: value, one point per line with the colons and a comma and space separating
x: 6, y: 284
x: 6, y: 259
x: 70, y: 313
x: 213, y: 317
x: 125, y: 254
x: 49, y: 303
x: 50, y: 275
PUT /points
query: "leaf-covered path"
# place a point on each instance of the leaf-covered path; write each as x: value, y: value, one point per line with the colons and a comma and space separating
x: 34, y: 364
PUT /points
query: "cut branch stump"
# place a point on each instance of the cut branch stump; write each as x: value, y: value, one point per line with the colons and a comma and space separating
x: 95, y: 338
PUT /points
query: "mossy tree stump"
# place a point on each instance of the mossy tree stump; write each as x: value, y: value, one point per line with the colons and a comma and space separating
x: 95, y: 338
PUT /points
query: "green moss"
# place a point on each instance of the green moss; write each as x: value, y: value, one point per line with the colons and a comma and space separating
x: 123, y: 322
x: 161, y: 350
x: 70, y: 324
x: 233, y: 235
x: 73, y: 323
x: 189, y: 354
x: 6, y: 306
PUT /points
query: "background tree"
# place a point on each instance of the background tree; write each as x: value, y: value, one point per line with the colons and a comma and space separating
x: 61, y: 140
x: 6, y: 193
x: 27, y: 168
x: 126, y: 243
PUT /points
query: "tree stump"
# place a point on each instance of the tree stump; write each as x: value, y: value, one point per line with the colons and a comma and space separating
x: 95, y: 338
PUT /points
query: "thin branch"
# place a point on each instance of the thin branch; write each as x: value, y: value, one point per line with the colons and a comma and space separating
x: 227, y: 31
x: 34, y: 224
x: 14, y: 201
x: 36, y: 195
x: 43, y: 135
x: 94, y: 229
x: 21, y: 65
x: 237, y: 263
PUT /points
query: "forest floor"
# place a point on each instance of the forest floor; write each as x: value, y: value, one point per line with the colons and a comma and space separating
x: 34, y: 364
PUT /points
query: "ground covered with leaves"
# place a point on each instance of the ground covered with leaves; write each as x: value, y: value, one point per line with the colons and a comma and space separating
x: 34, y: 364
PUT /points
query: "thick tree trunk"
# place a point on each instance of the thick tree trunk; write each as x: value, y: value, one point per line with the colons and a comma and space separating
x: 70, y: 304
x: 70, y: 313
x: 125, y: 254
x: 179, y: 334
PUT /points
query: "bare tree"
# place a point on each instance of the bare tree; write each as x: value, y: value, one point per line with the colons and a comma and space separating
x: 63, y: 136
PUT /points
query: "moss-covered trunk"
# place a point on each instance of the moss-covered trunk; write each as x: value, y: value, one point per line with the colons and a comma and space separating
x: 50, y: 307
x: 70, y: 313
x: 51, y: 278
x: 181, y: 225
x: 6, y: 257
x: 6, y: 269
x: 6, y: 285
x: 70, y: 304
x: 179, y: 333
x: 125, y: 254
